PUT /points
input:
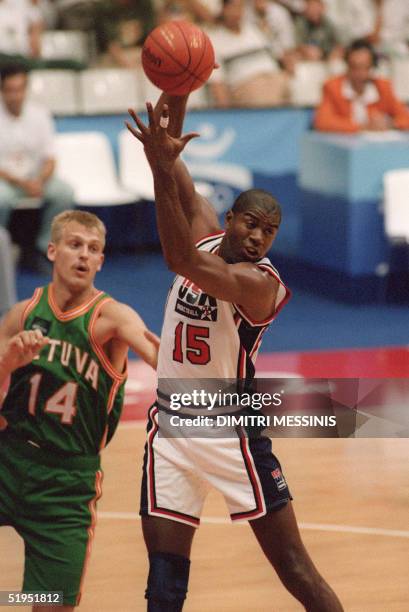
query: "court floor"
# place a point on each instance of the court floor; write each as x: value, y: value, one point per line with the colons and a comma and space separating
x: 351, y: 497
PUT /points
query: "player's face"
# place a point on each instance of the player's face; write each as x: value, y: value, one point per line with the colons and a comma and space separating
x: 250, y: 234
x: 13, y: 92
x: 77, y: 256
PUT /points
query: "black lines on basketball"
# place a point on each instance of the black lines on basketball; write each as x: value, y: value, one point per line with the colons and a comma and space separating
x: 178, y: 57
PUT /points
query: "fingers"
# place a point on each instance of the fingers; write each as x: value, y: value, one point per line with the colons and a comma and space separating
x: 164, y: 118
x: 134, y: 132
x: 151, y: 117
x: 142, y: 127
x: 29, y: 341
x: 187, y: 138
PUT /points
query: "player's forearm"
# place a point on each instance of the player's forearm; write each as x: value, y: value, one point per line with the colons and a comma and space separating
x: 174, y: 230
x: 5, y: 370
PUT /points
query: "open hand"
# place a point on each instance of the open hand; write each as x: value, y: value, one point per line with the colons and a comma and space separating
x: 161, y: 149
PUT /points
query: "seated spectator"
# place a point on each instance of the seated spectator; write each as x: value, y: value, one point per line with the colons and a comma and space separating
x: 390, y: 35
x: 200, y: 11
x: 48, y: 12
x: 315, y: 35
x: 76, y: 14
x: 358, y: 101
x: 276, y: 23
x: 121, y: 27
x: 21, y: 26
x: 248, y: 74
x: 27, y: 161
x: 352, y: 19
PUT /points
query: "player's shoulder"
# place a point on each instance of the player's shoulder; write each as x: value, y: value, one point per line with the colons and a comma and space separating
x: 116, y: 311
x: 13, y: 318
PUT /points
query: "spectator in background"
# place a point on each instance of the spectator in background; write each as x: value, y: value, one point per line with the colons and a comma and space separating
x: 121, y: 27
x: 390, y: 34
x: 352, y: 19
x: 8, y: 295
x: 47, y: 11
x: 20, y: 31
x: 357, y: 101
x: 276, y: 23
x: 27, y: 162
x: 76, y: 14
x: 200, y: 11
x: 315, y: 35
x: 21, y: 26
x: 248, y: 74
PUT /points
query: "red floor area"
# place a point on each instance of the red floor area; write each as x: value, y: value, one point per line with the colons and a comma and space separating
x: 351, y: 363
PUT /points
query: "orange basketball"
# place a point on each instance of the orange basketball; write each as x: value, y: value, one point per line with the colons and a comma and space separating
x: 178, y: 57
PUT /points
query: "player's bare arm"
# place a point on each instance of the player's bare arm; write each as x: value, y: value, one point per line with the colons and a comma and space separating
x: 199, y: 212
x: 17, y: 347
x: 119, y: 327
x: 241, y: 283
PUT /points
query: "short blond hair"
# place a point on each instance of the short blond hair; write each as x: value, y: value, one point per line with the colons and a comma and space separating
x: 88, y: 220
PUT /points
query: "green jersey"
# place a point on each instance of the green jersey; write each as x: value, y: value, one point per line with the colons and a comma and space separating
x: 69, y: 398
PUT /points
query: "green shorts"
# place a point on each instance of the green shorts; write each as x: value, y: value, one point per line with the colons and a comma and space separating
x: 50, y: 500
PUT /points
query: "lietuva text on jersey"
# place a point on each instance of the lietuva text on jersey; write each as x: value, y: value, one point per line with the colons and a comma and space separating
x: 69, y: 398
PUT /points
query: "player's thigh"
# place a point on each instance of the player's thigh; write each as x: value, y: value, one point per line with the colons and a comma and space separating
x: 12, y: 470
x: 58, y: 527
x: 164, y: 535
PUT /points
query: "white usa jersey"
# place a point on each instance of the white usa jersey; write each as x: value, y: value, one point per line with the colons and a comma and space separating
x: 204, y: 337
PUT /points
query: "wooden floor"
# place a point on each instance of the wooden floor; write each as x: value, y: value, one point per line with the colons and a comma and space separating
x: 352, y: 502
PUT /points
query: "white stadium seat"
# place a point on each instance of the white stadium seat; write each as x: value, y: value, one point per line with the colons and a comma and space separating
x: 67, y: 44
x: 396, y: 204
x: 400, y: 77
x: 109, y: 90
x: 56, y: 89
x: 85, y: 160
x: 306, y: 84
x: 135, y: 174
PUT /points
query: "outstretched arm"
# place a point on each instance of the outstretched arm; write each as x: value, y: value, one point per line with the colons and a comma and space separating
x: 121, y: 323
x: 242, y: 283
x: 199, y: 212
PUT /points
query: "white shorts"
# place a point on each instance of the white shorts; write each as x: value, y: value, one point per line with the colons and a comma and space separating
x: 178, y: 472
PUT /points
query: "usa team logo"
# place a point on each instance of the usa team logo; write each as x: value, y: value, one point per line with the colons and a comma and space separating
x: 279, y: 479
x: 195, y: 304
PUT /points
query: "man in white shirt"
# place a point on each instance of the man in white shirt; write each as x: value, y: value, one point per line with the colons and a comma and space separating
x: 27, y: 160
x: 248, y: 73
x: 20, y: 29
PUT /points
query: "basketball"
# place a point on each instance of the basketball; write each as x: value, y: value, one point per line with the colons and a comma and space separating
x: 178, y: 57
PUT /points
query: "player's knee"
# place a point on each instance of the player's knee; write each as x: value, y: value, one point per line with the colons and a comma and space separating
x: 167, y: 582
x: 296, y: 568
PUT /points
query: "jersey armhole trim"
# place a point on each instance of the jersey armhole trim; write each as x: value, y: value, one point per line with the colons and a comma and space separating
x: 31, y: 305
x: 208, y: 238
x: 271, y: 318
x: 106, y: 364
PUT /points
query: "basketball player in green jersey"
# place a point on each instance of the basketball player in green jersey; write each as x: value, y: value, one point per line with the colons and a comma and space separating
x: 66, y: 350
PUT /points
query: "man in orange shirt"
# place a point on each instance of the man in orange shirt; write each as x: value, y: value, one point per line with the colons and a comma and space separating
x: 358, y: 101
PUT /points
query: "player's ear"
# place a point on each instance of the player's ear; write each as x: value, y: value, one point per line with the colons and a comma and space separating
x: 51, y: 251
x: 101, y: 263
x: 228, y: 218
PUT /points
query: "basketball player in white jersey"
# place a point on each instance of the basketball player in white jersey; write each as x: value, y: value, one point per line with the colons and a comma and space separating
x: 225, y: 295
